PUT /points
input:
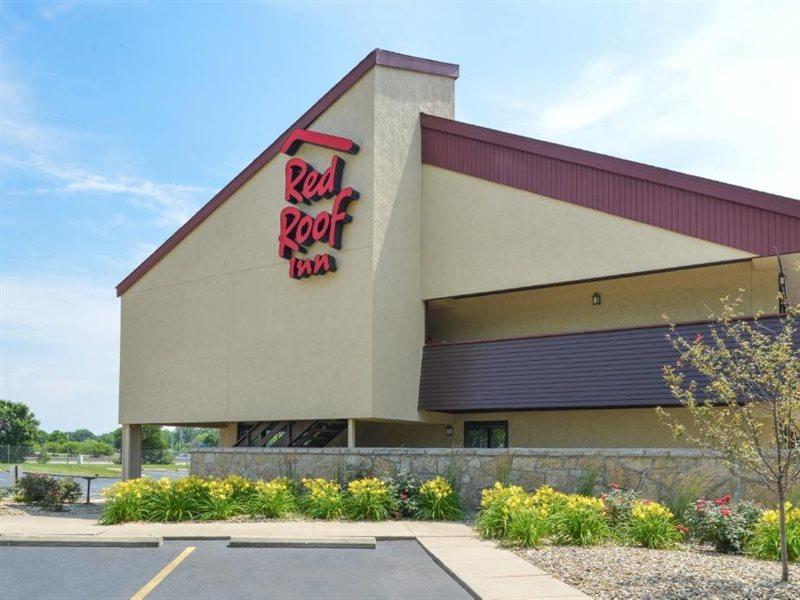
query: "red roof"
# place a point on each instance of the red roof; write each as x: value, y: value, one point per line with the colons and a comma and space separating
x: 730, y: 215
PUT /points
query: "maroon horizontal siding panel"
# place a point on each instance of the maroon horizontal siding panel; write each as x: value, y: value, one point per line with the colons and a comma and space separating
x: 601, y: 369
x: 733, y: 216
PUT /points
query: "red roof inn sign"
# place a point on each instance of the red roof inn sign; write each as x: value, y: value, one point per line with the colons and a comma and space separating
x: 305, y: 185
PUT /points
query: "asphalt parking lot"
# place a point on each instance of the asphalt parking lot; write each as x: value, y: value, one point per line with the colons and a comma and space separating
x: 209, y: 569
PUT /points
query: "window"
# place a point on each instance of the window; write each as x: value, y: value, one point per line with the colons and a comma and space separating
x: 486, y: 434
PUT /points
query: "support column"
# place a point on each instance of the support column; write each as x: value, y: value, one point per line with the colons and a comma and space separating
x: 351, y: 433
x: 228, y: 435
x: 131, y: 451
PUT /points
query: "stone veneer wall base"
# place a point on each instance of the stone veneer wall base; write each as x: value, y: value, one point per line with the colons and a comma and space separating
x: 657, y: 473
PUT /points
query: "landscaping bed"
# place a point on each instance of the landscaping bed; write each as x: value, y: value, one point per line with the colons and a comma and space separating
x: 626, y: 572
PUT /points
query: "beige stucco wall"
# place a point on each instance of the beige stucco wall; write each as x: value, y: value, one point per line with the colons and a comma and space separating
x: 478, y: 236
x: 398, y: 318
x: 217, y: 331
x: 685, y: 295
x: 609, y: 428
x: 388, y: 434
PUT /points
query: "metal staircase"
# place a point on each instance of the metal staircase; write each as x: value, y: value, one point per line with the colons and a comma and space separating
x: 306, y: 434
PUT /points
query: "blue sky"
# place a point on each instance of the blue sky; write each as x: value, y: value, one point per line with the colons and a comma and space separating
x: 120, y: 119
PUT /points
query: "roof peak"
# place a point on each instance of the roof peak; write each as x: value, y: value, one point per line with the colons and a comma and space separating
x: 376, y: 57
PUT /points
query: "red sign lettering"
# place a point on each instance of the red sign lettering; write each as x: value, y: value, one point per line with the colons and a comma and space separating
x: 304, y: 185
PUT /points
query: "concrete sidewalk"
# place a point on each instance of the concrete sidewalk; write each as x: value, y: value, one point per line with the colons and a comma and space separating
x: 486, y: 570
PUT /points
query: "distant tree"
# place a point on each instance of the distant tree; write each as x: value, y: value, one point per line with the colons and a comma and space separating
x: 154, y: 445
x: 155, y: 449
x: 57, y: 436
x: 81, y: 435
x: 748, y: 407
x: 71, y: 447
x: 116, y: 436
x: 95, y: 448
x: 207, y: 438
x: 107, y: 438
x: 18, y: 430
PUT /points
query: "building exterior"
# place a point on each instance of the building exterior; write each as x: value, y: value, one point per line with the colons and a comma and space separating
x: 383, y: 275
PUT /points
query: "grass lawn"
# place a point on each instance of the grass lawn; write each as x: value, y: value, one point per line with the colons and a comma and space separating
x: 103, y: 470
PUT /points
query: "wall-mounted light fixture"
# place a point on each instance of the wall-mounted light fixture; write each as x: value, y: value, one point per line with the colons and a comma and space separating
x: 596, y: 299
x: 448, y: 430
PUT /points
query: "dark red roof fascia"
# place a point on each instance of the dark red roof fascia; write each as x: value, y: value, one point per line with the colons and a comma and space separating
x: 376, y: 57
x: 611, y: 164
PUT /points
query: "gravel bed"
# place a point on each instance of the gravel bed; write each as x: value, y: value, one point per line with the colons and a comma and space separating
x: 623, y: 572
x: 10, y: 508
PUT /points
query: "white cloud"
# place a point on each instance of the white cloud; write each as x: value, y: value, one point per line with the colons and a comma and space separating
x: 720, y: 102
x: 31, y: 146
x: 65, y: 339
x: 53, y: 10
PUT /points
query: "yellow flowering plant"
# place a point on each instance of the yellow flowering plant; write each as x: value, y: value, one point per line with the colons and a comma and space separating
x: 580, y: 521
x: 437, y: 500
x: 123, y: 501
x: 370, y: 499
x: 765, y: 540
x: 498, y: 505
x: 322, y: 499
x: 273, y: 499
x: 652, y: 525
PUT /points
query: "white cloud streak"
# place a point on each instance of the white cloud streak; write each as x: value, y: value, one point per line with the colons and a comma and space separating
x: 33, y: 147
x: 720, y: 102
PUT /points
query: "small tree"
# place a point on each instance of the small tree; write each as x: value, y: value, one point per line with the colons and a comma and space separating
x: 19, y: 430
x: 747, y: 404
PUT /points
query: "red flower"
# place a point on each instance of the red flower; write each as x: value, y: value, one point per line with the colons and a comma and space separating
x: 699, y: 338
x: 725, y: 512
x: 722, y: 501
x: 681, y: 528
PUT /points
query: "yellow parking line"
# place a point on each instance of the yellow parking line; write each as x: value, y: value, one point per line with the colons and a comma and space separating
x: 162, y: 574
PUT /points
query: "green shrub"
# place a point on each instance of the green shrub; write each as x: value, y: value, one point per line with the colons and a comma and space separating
x: 725, y: 525
x: 405, y: 488
x: 765, y: 540
x: 46, y: 491
x: 323, y: 499
x: 579, y: 521
x: 438, y: 500
x: 369, y: 499
x: 652, y: 525
x: 273, y: 499
x: 618, y: 503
